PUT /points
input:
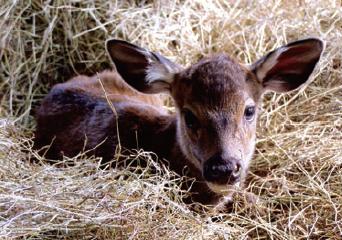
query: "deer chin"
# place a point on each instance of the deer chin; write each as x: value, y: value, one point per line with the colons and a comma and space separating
x: 223, y: 189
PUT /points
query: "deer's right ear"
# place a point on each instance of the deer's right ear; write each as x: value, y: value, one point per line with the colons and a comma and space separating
x: 145, y: 71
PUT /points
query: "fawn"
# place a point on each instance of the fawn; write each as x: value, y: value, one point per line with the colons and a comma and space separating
x: 211, y: 135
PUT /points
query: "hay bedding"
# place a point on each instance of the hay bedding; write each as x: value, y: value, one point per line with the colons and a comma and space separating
x: 297, y: 169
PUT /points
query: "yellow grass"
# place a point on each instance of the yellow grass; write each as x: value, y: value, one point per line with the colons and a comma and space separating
x: 297, y: 168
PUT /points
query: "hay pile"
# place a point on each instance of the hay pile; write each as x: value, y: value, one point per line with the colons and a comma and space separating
x: 297, y: 169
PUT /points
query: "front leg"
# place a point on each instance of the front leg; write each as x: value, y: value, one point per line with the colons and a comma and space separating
x: 225, y: 205
x: 236, y: 200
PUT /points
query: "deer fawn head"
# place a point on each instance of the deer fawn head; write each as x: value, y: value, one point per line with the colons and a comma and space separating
x: 217, y: 100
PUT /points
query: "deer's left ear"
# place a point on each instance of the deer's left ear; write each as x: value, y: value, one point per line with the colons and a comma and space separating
x: 289, y: 66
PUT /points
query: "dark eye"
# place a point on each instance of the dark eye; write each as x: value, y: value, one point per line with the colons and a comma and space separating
x: 249, y: 113
x: 190, y: 119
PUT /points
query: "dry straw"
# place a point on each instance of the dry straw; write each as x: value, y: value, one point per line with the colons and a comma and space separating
x: 297, y: 169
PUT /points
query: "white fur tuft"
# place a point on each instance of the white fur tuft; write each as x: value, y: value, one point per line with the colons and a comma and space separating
x: 158, y: 72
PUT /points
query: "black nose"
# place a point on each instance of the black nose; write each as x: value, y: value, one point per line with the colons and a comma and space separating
x: 222, y: 171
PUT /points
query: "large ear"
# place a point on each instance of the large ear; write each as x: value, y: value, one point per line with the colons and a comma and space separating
x: 289, y: 66
x: 144, y: 70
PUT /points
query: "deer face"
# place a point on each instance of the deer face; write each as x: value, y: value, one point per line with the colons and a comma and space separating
x: 217, y: 103
x: 217, y: 100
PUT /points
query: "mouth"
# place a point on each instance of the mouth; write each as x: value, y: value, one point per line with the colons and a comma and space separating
x: 224, y: 189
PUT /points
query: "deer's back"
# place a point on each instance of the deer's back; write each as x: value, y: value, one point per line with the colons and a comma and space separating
x: 111, y: 84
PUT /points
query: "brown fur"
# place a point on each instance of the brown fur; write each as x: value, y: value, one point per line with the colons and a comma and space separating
x: 75, y: 115
x: 113, y: 86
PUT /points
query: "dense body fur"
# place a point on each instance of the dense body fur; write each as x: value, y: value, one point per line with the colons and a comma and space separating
x: 76, y: 116
x: 210, y: 137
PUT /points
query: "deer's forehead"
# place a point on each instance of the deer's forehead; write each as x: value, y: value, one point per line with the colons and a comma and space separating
x: 214, y: 108
x: 215, y: 82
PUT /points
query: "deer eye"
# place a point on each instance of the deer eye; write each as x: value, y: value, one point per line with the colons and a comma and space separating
x: 190, y: 119
x: 249, y: 113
